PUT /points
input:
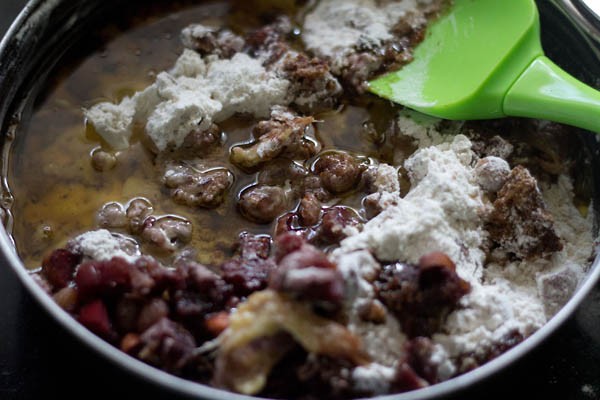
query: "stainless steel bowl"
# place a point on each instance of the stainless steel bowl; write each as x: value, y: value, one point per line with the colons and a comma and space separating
x: 45, y: 30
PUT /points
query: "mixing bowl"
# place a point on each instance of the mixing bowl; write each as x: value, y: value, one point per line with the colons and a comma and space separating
x: 46, y: 30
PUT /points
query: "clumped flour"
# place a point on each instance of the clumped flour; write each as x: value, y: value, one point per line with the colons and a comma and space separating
x: 337, y: 27
x: 102, y: 245
x: 444, y: 211
x: 199, y: 91
x: 194, y: 94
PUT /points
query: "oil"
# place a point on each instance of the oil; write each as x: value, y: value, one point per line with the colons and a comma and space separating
x: 61, y: 198
x: 55, y: 193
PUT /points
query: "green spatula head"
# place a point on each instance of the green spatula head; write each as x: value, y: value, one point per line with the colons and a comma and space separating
x: 483, y: 59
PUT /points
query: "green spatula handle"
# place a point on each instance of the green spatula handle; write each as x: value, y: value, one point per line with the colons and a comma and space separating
x: 546, y: 91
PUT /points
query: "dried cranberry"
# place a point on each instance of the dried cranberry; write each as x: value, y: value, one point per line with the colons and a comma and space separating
x: 126, y: 314
x: 247, y: 275
x: 167, y: 344
x: 438, y: 280
x: 98, y: 278
x: 421, y: 296
x: 327, y: 377
x: 406, y: 379
x: 287, y: 243
x: 162, y: 278
x: 204, y: 292
x: 248, y: 271
x: 151, y: 313
x: 307, y: 273
x: 94, y: 316
x: 309, y: 209
x: 58, y: 267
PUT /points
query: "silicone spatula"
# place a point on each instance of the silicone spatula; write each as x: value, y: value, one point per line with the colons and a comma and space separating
x: 483, y: 59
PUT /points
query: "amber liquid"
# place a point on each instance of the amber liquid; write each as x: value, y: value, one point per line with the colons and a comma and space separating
x: 57, y: 191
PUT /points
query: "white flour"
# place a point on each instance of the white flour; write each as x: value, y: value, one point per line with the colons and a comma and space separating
x: 373, y: 378
x: 102, y: 245
x: 439, y: 213
x: 336, y: 27
x: 358, y: 269
x: 443, y: 211
x: 193, y: 95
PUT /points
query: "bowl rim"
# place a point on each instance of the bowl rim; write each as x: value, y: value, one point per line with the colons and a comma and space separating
x: 33, y: 12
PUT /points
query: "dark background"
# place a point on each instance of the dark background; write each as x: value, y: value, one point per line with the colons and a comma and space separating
x: 39, y: 360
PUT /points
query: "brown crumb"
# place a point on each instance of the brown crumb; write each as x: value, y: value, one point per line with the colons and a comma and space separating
x: 520, y: 222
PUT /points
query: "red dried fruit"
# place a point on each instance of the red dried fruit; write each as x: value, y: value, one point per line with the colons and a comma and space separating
x: 406, y: 379
x: 94, y: 316
x: 287, y: 243
x: 217, y: 323
x: 306, y: 273
x: 130, y: 342
x: 202, y: 292
x: 167, y: 344
x: 421, y: 296
x: 150, y: 313
x: 98, y: 278
x: 249, y: 270
x: 58, y: 268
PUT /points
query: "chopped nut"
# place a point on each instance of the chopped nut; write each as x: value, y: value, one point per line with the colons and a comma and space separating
x: 309, y: 210
x: 283, y: 134
x: 103, y: 161
x: 340, y: 172
x: 520, y: 222
x: 167, y: 233
x: 263, y: 203
x: 196, y: 188
x: 137, y: 212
